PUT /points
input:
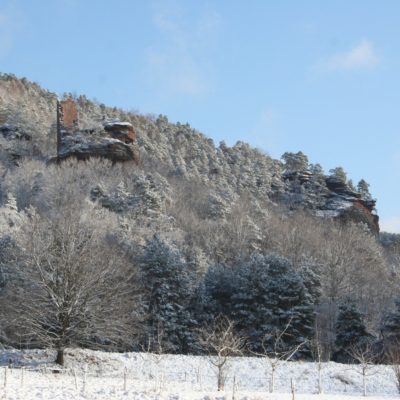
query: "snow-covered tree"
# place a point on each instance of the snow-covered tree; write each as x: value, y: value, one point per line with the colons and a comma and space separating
x: 339, y: 173
x: 363, y: 189
x: 220, y: 343
x: 311, y: 276
x: 167, y: 286
x: 73, y: 288
x: 316, y: 169
x: 220, y: 285
x: 391, y: 326
x: 295, y: 162
x: 272, y: 294
x: 351, y: 331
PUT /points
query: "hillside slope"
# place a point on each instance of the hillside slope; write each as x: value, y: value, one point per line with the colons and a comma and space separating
x: 28, y: 129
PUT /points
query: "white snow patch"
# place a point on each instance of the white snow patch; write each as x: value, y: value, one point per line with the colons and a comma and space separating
x: 32, y: 375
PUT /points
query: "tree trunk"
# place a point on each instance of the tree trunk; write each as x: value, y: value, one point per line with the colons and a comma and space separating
x: 220, y: 379
x: 364, y: 384
x: 272, y: 384
x: 320, y: 390
x: 60, y: 357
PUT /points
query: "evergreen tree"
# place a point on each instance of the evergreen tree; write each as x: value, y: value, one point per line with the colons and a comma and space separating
x: 295, y: 162
x: 220, y: 284
x: 391, y: 326
x: 350, y: 184
x: 363, y: 189
x: 272, y: 297
x: 311, y: 276
x: 168, y: 293
x: 351, y: 331
x: 339, y: 173
x: 317, y: 170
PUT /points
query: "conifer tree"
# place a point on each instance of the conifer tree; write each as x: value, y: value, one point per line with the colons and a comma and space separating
x: 272, y: 298
x: 363, y: 189
x: 220, y: 284
x: 391, y: 327
x: 295, y: 162
x: 351, y: 331
x: 339, y: 173
x: 168, y: 291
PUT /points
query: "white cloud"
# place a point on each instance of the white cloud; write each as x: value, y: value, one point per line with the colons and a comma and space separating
x: 362, y: 56
x: 390, y: 225
x: 180, y: 62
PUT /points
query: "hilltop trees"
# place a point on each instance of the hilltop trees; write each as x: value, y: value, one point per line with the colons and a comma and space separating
x: 295, y: 161
x: 339, y: 173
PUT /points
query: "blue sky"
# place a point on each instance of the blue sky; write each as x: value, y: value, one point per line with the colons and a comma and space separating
x: 317, y: 76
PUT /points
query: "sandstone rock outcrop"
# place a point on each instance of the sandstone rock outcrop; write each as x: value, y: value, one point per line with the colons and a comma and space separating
x: 115, y: 142
x: 228, y: 172
x: 83, y: 148
x: 122, y: 131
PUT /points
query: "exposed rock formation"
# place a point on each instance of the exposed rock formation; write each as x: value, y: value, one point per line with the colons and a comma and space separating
x: 83, y: 148
x: 181, y: 152
x: 69, y: 115
x: 85, y: 143
x: 328, y: 197
x: 122, y: 131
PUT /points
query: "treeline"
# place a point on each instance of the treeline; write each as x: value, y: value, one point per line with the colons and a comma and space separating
x: 105, y: 256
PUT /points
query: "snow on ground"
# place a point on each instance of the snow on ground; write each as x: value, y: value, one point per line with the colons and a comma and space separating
x: 32, y: 375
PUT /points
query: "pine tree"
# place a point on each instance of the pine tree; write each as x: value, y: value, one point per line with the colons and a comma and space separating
x: 391, y: 326
x: 317, y: 170
x: 311, y: 276
x: 339, y: 173
x: 168, y: 292
x: 272, y: 297
x: 295, y: 162
x: 220, y: 284
x: 351, y: 331
x: 363, y: 189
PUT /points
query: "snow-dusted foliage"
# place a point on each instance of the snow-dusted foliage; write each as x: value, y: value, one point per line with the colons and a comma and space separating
x: 351, y: 331
x: 167, y: 293
x: 221, y: 212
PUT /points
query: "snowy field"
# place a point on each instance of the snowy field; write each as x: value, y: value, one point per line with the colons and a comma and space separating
x: 31, y: 374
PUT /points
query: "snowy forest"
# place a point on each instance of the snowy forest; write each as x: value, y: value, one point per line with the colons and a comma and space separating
x: 194, y: 249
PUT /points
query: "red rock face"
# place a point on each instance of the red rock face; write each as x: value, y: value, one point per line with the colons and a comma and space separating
x: 116, y: 151
x: 70, y: 114
x: 122, y: 131
x: 359, y: 212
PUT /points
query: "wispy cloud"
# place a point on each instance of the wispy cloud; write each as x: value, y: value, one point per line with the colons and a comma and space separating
x: 391, y: 225
x: 180, y: 62
x: 362, y: 56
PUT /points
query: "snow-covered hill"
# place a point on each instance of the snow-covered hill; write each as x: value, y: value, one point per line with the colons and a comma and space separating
x: 31, y: 374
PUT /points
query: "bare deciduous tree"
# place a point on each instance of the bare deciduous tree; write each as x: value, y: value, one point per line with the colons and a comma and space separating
x: 317, y: 350
x: 392, y: 353
x: 278, y: 352
x: 366, y: 358
x: 220, y: 343
x: 76, y: 288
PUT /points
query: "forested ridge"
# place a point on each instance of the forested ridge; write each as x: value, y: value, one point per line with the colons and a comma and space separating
x: 190, y: 244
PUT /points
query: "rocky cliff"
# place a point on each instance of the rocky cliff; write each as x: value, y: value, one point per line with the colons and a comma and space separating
x: 29, y: 129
